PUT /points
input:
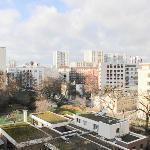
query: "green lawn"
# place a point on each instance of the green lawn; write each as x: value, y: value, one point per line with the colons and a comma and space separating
x: 4, y: 120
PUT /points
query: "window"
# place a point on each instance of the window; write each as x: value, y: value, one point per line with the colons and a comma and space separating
x: 141, y: 146
x: 117, y: 130
x: 148, y: 83
x: 84, y: 122
x: 78, y: 120
x: 95, y: 126
x: 149, y: 75
x: 134, y: 148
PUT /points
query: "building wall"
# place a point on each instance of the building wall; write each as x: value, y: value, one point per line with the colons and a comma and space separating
x: 2, y: 59
x: 95, y: 57
x: 118, y: 75
x: 106, y: 130
x: 29, y: 74
x: 60, y: 58
x: 143, y: 87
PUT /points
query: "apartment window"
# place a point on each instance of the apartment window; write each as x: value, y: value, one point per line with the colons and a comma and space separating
x: 141, y: 146
x: 117, y: 130
x: 84, y: 122
x: 149, y: 75
x: 134, y: 148
x: 78, y: 120
x: 148, y: 83
x: 118, y: 66
x: 95, y: 126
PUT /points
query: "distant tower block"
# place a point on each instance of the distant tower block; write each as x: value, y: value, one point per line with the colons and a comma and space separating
x: 25, y: 114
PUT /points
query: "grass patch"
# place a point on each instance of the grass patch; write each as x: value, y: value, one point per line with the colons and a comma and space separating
x: 50, y: 117
x: 70, y: 109
x: 22, y: 132
x: 4, y: 120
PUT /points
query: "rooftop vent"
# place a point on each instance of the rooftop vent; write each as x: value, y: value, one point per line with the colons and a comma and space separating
x: 102, y: 113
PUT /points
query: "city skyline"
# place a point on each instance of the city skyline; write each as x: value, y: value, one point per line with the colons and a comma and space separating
x: 32, y: 29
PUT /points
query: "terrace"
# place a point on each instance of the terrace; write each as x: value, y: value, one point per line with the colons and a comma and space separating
x: 23, y: 132
x: 51, y: 117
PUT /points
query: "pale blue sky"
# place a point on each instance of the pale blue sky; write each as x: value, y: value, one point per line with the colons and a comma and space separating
x: 33, y: 29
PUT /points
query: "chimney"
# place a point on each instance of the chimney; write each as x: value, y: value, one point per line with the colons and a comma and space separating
x: 25, y: 114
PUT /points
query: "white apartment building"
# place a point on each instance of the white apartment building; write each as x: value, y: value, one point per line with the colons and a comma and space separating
x: 143, y: 87
x: 118, y: 75
x: 32, y: 74
x: 60, y: 59
x: 92, y: 56
x: 3, y: 59
x: 114, y: 58
x: 121, y: 58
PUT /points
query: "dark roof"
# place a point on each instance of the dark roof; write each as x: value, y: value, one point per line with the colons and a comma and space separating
x: 104, y: 119
x: 75, y: 143
x: 101, y: 142
x: 129, y: 138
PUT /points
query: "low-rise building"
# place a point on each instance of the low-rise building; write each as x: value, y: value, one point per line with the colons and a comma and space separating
x: 105, y: 126
x: 111, y: 129
x: 48, y: 119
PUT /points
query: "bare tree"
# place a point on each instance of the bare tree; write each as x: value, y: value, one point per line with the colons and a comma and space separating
x: 42, y: 104
x: 118, y: 101
x: 91, y: 84
x: 144, y: 107
x: 2, y: 80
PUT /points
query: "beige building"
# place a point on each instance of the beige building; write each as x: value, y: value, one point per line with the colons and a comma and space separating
x: 60, y: 59
x: 143, y: 87
x: 92, y: 56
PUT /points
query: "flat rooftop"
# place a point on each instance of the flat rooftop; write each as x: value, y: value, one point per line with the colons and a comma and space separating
x: 129, y: 138
x: 22, y: 132
x: 51, y: 117
x: 96, y: 139
x: 75, y: 143
x: 104, y: 119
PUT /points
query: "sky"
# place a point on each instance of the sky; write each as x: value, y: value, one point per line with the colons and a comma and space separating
x: 33, y: 29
